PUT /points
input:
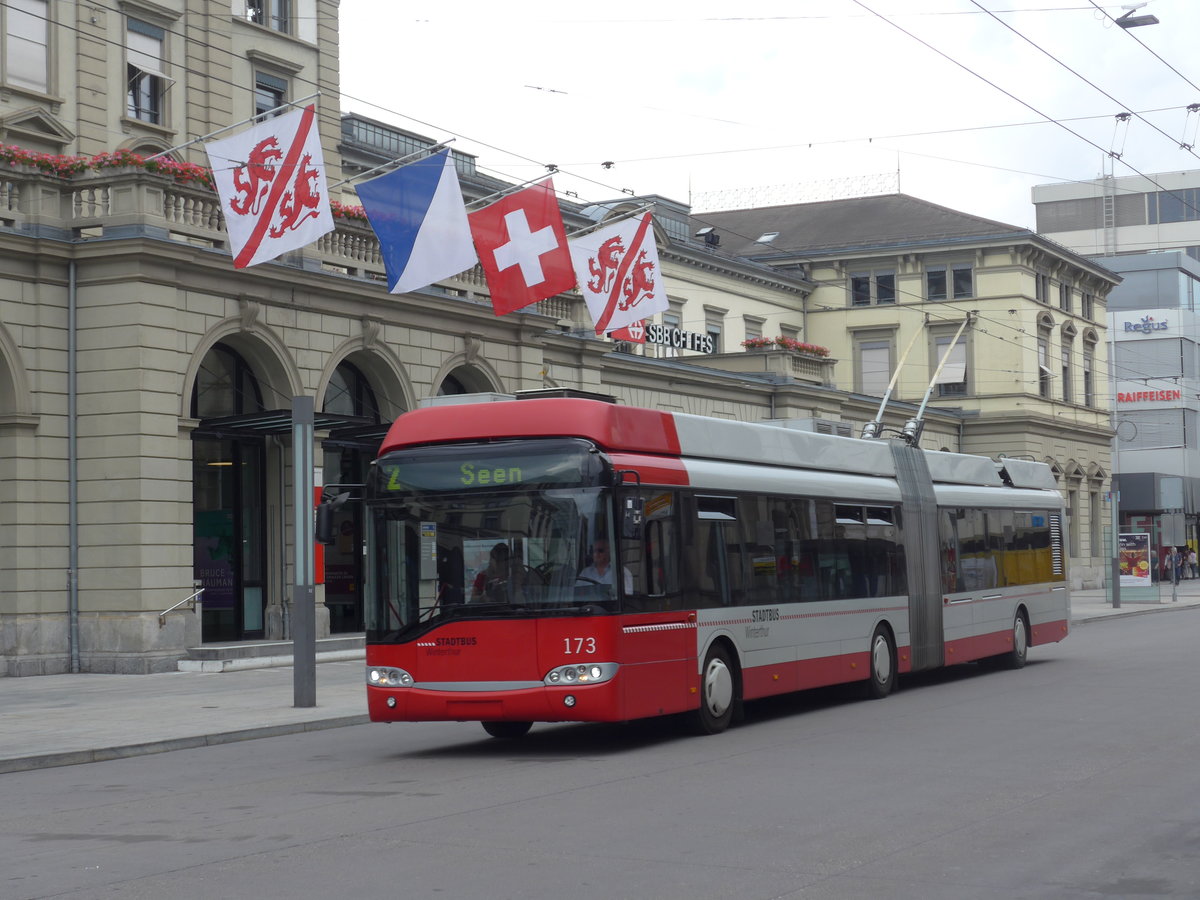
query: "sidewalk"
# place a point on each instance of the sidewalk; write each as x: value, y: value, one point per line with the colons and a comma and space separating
x: 62, y: 720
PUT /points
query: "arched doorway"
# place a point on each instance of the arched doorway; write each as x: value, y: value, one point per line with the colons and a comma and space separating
x: 228, y: 500
x: 346, y: 458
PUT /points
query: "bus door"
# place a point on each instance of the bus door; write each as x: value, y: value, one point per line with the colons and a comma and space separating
x: 658, y: 633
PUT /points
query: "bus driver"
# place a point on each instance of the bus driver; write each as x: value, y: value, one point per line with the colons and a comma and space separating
x: 600, y: 571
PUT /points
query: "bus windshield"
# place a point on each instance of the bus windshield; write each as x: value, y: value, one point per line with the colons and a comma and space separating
x: 495, y: 530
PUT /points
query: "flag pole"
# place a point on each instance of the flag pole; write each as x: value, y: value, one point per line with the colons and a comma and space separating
x: 511, y: 189
x: 588, y: 229
x: 395, y: 162
x: 213, y: 134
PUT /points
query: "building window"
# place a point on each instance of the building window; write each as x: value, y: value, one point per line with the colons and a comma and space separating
x: 1064, y: 297
x: 1067, y: 394
x: 1095, y: 517
x: 1087, y: 304
x: 754, y: 327
x: 270, y: 93
x: 958, y: 279
x: 1073, y: 528
x: 671, y: 319
x: 714, y: 322
x: 1089, y: 381
x: 787, y: 331
x: 350, y: 394
x: 1044, y: 373
x: 147, y: 83
x: 1182, y: 205
x: 274, y: 14
x: 873, y: 364
x: 1042, y: 288
x: 952, y: 380
x: 872, y: 287
x: 27, y: 44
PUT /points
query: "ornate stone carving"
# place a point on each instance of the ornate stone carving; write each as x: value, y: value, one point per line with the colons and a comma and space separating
x: 372, y: 331
x: 250, y: 309
x: 472, y: 348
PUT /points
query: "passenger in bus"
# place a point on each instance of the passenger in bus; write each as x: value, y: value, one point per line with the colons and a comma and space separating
x: 600, y: 571
x: 493, y: 576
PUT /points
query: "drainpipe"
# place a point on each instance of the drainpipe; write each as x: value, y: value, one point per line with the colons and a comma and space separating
x: 72, y: 476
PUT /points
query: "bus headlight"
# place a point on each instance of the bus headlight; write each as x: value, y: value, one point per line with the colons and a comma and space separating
x: 386, y: 676
x: 586, y: 673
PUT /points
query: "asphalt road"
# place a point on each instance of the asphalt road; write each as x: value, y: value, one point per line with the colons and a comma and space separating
x: 1078, y: 777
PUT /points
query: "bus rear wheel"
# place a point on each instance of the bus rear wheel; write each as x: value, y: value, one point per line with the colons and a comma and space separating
x: 507, y: 731
x: 883, y: 665
x: 718, y: 692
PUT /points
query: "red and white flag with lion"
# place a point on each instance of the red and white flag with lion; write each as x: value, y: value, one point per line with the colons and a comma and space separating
x: 271, y: 181
x: 618, y: 274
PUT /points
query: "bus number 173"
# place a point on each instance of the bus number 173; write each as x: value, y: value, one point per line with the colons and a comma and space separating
x: 581, y: 645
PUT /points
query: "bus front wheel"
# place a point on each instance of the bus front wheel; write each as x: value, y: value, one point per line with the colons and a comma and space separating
x: 883, y: 665
x: 718, y: 692
x: 508, y: 731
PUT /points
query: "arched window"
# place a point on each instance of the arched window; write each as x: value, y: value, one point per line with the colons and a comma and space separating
x: 225, y: 386
x: 350, y: 394
x: 451, y: 385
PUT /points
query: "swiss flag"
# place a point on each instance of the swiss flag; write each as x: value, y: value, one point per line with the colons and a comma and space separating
x: 635, y: 333
x: 522, y: 247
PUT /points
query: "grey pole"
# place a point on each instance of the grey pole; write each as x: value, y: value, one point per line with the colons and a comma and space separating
x: 304, y: 625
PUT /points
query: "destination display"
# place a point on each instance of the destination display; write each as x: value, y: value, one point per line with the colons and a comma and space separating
x: 487, y: 467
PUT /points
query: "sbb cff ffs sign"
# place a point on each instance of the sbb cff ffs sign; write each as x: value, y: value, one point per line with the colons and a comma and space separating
x: 678, y: 338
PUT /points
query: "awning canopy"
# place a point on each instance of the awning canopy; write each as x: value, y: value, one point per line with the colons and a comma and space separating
x: 341, y: 428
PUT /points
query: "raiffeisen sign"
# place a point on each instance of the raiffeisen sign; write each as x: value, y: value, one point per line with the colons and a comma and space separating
x: 1149, y: 396
x: 1146, y: 325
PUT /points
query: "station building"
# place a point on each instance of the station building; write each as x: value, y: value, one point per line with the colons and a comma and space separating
x: 146, y: 384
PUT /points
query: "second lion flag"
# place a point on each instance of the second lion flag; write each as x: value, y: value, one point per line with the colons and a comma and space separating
x: 618, y: 274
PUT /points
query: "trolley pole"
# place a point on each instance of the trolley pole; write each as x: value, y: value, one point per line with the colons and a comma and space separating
x: 304, y: 614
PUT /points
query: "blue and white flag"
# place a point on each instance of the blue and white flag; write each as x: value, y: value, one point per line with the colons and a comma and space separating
x: 418, y: 214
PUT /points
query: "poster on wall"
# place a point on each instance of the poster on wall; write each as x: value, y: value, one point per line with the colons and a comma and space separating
x: 1135, y: 560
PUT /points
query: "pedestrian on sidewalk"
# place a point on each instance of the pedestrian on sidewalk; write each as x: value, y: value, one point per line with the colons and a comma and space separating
x: 1154, y: 571
x: 1176, y: 565
x: 1193, y: 563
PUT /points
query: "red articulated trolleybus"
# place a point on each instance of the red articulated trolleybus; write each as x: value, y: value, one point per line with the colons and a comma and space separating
x: 563, y: 559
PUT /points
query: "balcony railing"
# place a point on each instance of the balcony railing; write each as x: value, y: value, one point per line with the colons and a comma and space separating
x: 93, y: 203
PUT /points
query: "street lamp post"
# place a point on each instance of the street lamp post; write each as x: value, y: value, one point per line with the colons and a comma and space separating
x: 1115, y: 496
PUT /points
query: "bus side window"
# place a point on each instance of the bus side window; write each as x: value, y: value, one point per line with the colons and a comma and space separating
x: 712, y: 569
x: 978, y: 568
x: 948, y: 553
x: 762, y: 546
x: 703, y: 549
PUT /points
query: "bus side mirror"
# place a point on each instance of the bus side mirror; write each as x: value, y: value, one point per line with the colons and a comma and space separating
x: 632, y: 514
x: 323, y: 526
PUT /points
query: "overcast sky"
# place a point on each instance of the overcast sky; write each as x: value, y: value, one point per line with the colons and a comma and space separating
x: 779, y: 101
